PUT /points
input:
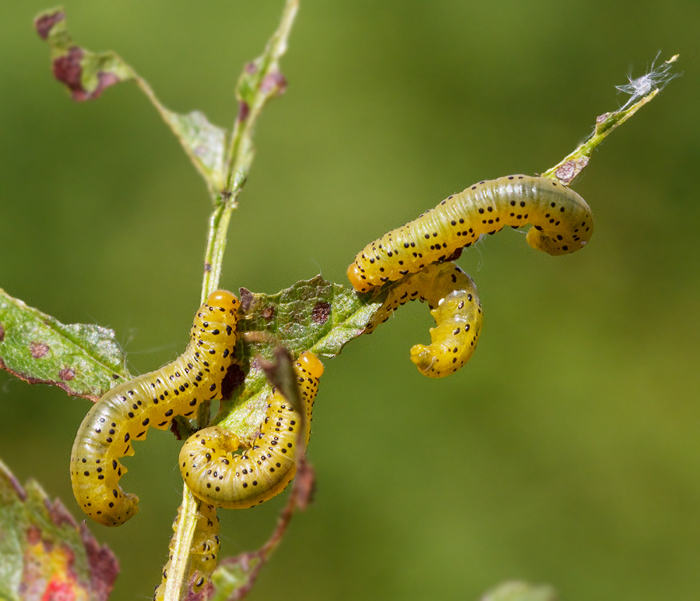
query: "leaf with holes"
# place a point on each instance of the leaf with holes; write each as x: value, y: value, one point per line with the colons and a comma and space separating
x: 87, y: 74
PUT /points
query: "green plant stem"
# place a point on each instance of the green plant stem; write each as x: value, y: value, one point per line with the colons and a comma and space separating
x: 216, y: 246
x: 571, y: 166
x: 260, y: 82
x: 176, y: 584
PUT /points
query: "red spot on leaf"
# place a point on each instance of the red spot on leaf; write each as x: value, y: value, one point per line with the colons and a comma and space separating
x: 243, y: 110
x: 251, y: 68
x: 38, y: 349
x: 33, y: 535
x: 274, y: 82
x: 105, y: 79
x: 67, y: 374
x: 268, y: 312
x: 569, y: 170
x: 320, y: 312
x: 2, y: 333
x: 45, y: 23
x: 246, y: 298
x: 59, y: 590
x: 68, y: 69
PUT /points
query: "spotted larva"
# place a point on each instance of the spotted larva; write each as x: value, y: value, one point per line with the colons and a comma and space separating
x: 259, y: 472
x: 125, y: 413
x: 561, y: 218
x: 455, y: 306
x: 203, y: 554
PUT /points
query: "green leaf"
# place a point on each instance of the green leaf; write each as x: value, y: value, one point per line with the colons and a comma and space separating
x: 83, y: 359
x: 44, y: 551
x: 235, y: 576
x: 314, y: 315
x: 521, y: 591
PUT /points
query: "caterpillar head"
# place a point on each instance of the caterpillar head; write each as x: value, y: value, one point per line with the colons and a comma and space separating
x: 357, y: 279
x: 311, y: 363
x: 223, y: 299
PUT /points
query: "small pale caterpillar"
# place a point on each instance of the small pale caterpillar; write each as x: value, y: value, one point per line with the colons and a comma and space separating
x: 455, y: 306
x: 561, y: 218
x: 125, y: 413
x: 203, y: 554
x: 259, y: 473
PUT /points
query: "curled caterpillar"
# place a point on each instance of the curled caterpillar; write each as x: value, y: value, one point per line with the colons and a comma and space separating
x: 455, y: 306
x: 204, y: 550
x: 259, y: 473
x: 561, y: 219
x: 125, y: 413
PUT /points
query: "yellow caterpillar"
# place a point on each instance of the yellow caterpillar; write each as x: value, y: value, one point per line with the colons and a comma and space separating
x: 561, y: 218
x: 125, y: 413
x: 455, y: 306
x: 203, y: 554
x: 262, y: 470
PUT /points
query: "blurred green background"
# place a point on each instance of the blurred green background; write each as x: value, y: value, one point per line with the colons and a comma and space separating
x: 565, y: 452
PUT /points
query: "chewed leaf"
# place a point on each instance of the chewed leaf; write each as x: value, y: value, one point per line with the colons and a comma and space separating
x: 203, y: 142
x: 86, y: 74
x: 43, y: 550
x: 314, y: 315
x: 83, y: 359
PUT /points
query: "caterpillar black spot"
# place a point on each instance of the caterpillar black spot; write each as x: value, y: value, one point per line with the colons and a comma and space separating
x: 125, y: 413
x: 263, y: 469
x: 455, y: 306
x: 204, y: 551
x: 562, y: 223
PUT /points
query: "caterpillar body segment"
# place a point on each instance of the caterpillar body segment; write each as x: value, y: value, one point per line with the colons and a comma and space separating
x: 127, y: 411
x: 204, y: 551
x: 217, y: 476
x: 562, y: 223
x: 454, y: 304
